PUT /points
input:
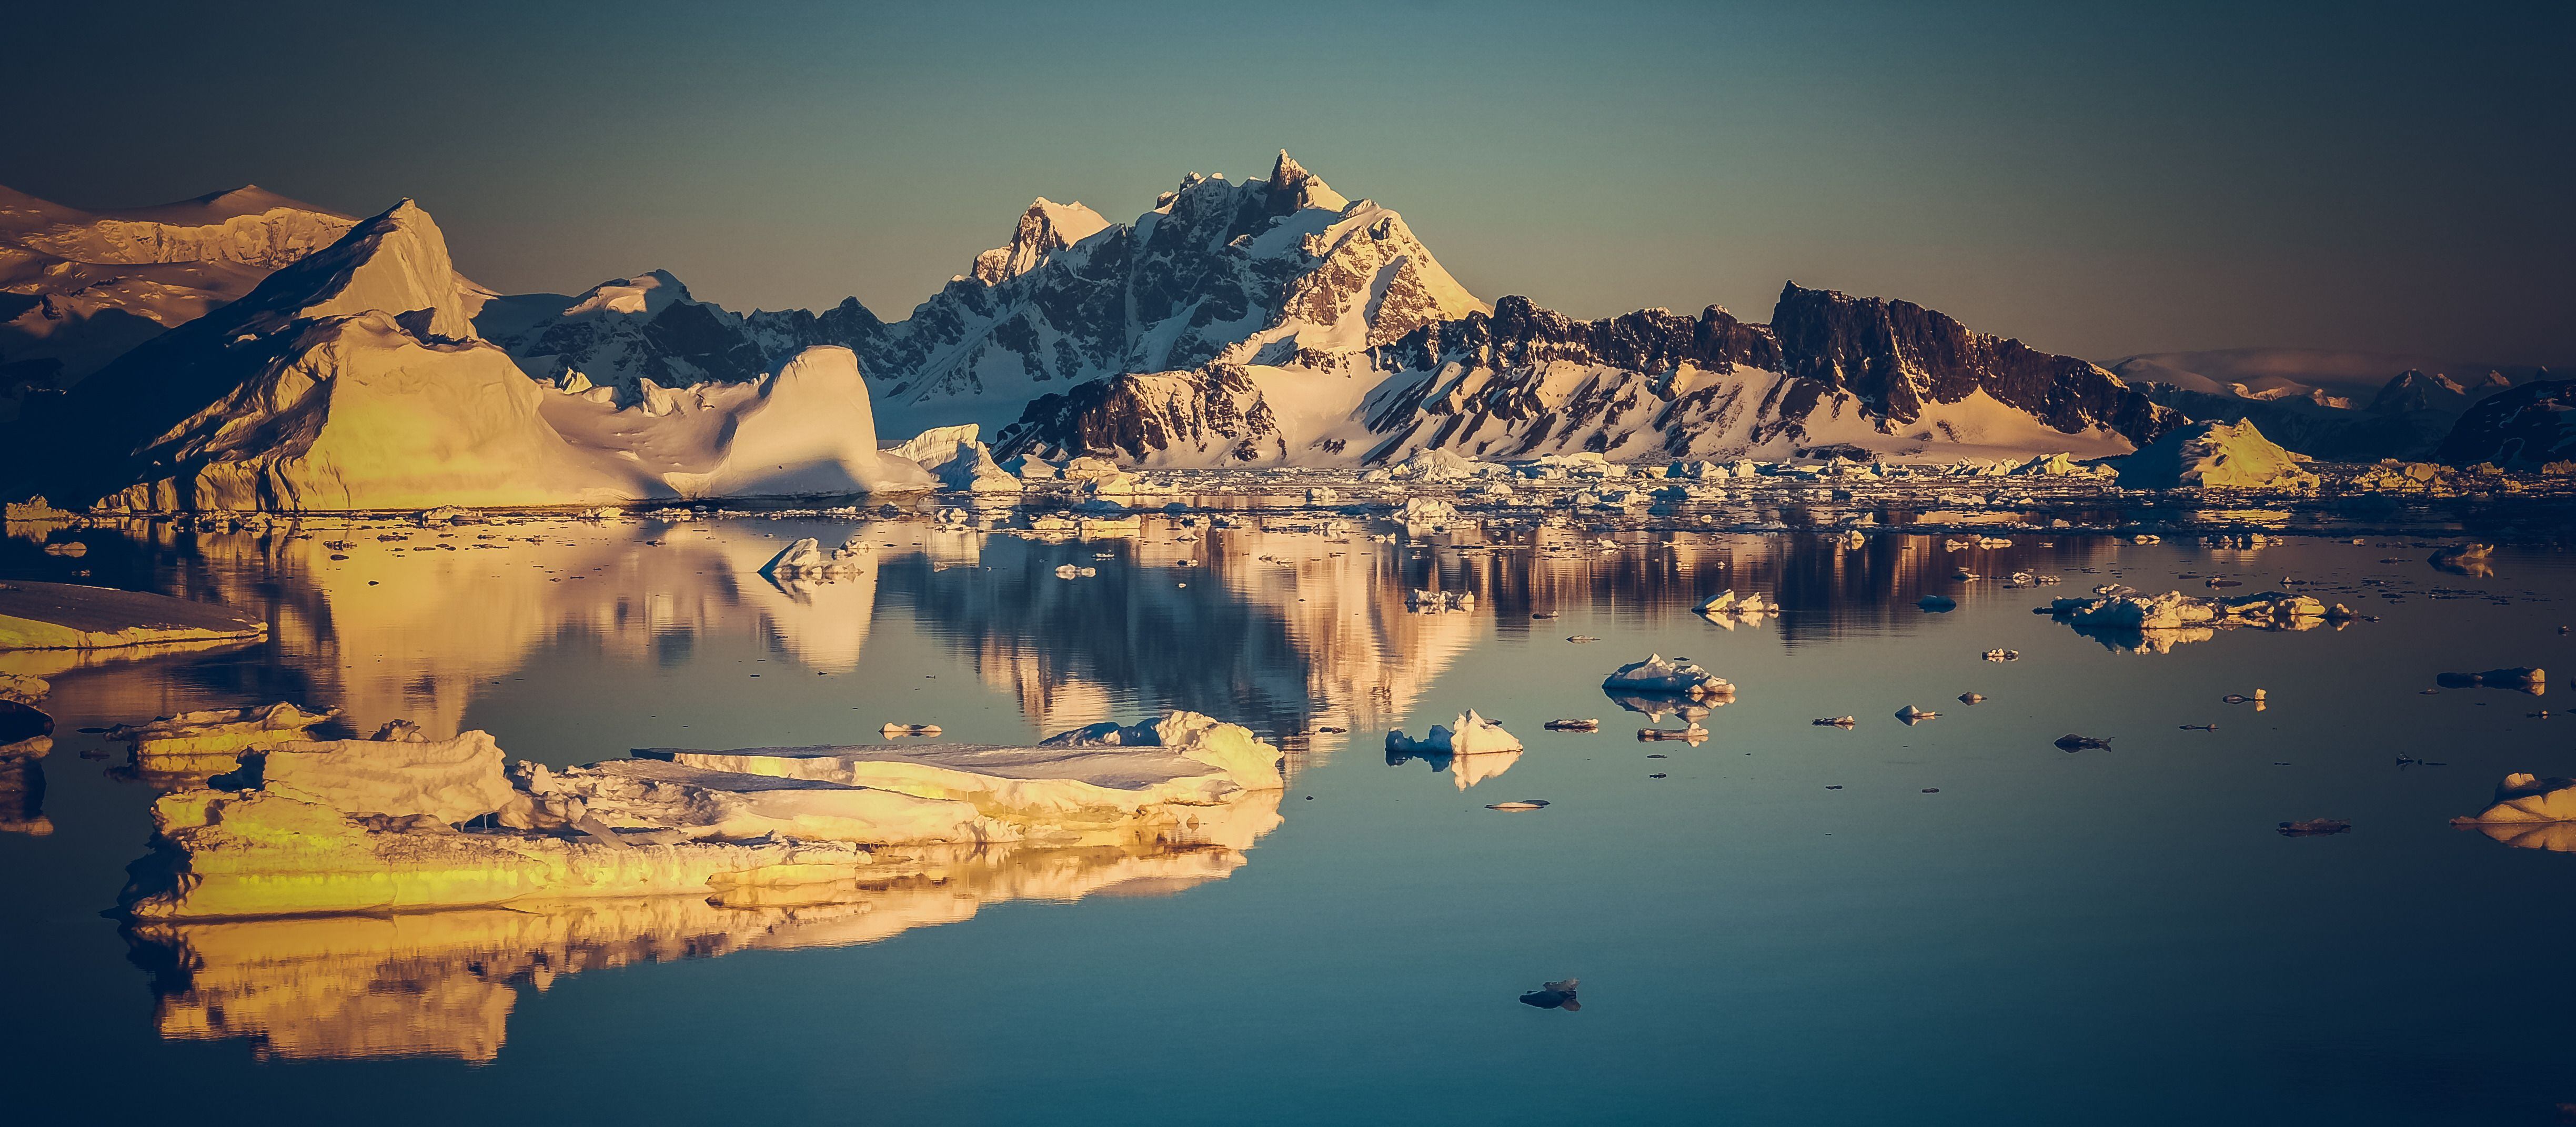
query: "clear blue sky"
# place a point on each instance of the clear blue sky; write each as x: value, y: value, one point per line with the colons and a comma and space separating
x: 2393, y: 178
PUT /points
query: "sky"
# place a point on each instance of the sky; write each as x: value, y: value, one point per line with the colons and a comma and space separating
x: 2389, y: 178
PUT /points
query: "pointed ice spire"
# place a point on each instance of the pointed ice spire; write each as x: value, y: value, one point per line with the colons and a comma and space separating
x: 394, y: 263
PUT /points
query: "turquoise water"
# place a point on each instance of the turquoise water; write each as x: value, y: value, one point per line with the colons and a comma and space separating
x: 1786, y: 929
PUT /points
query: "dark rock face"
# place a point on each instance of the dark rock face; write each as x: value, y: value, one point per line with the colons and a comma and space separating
x: 1170, y: 291
x: 1493, y: 407
x: 1213, y: 264
x: 1897, y: 357
x: 1519, y: 334
x: 2525, y: 428
x: 1210, y: 415
x: 701, y: 337
x: 1524, y: 381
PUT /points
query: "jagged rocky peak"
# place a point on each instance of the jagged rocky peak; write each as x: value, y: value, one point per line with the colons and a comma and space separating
x: 1293, y: 188
x: 1046, y: 227
x: 1211, y: 416
x: 1898, y: 358
x: 1252, y: 272
x: 1520, y: 332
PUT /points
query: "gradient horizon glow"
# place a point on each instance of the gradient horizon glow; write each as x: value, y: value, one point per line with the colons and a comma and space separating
x: 2383, y: 178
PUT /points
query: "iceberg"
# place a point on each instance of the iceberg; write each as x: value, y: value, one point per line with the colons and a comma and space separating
x: 1659, y: 675
x: 406, y: 824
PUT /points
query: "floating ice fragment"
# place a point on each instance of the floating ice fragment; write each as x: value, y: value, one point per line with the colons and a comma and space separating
x: 1469, y: 734
x: 1656, y: 674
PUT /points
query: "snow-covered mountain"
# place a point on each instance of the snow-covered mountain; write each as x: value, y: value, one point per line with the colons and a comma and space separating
x: 1830, y: 372
x: 2412, y: 390
x: 1259, y: 271
x: 2340, y: 406
x: 352, y: 378
x: 2525, y: 428
x: 79, y: 288
x: 1045, y: 228
x: 2321, y: 377
x: 1265, y: 322
x: 1277, y: 321
x: 622, y: 333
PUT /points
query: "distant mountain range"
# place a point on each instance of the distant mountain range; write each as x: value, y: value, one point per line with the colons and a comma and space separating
x: 1267, y: 322
x: 79, y: 288
x: 2340, y: 406
x: 1276, y: 321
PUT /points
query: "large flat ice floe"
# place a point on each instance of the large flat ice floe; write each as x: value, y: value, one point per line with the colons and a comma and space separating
x: 68, y: 616
x: 399, y: 824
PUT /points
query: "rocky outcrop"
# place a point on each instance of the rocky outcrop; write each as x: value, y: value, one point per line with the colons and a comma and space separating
x: 1212, y: 416
x: 1900, y: 359
x: 2525, y: 428
x: 1525, y: 382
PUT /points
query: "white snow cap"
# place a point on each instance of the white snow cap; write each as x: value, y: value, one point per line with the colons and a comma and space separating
x: 646, y: 293
x: 1046, y: 227
x: 393, y: 263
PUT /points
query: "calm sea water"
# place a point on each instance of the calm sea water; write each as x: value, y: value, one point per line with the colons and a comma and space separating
x: 1953, y: 922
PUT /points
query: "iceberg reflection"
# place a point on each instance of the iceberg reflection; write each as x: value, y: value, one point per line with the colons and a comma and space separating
x: 443, y: 984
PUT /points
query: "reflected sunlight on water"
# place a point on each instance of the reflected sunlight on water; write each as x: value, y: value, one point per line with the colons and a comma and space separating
x: 1918, y: 905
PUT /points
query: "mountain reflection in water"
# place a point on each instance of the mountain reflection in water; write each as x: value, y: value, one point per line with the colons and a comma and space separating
x: 1304, y: 635
x: 1284, y: 631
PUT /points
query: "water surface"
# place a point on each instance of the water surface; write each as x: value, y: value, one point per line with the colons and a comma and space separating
x: 1948, y: 922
